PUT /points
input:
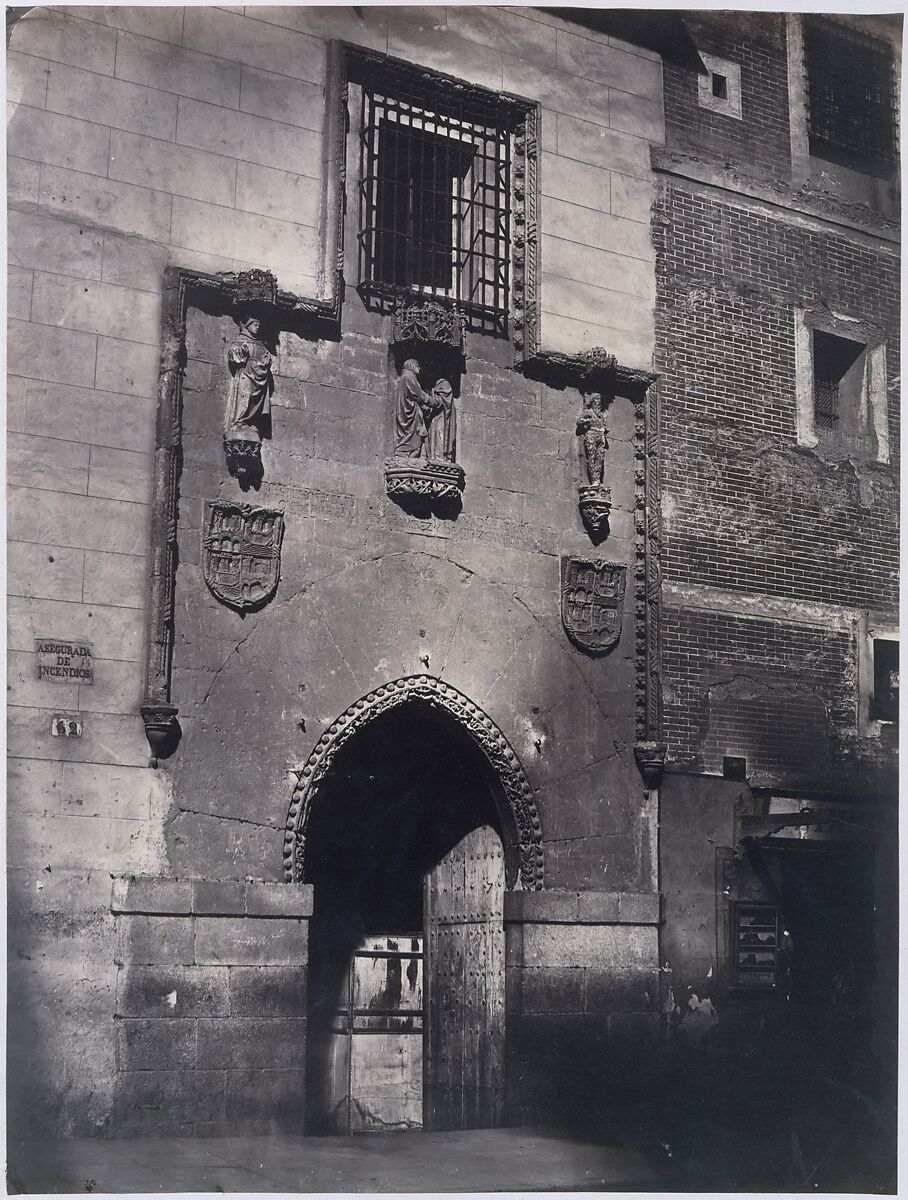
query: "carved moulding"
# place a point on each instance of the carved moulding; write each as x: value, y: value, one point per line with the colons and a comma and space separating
x: 526, y: 832
x: 597, y: 370
x: 592, y: 602
x: 241, y: 553
x: 218, y: 294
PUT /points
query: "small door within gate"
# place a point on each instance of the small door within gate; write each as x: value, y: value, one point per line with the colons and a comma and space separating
x: 378, y: 1037
x: 464, y: 896
x: 417, y: 1037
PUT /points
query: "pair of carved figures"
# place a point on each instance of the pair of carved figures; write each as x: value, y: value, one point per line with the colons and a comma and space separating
x: 425, y: 423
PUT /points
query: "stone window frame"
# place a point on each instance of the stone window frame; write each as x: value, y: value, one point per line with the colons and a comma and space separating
x: 730, y: 105
x: 874, y: 416
x: 872, y: 627
x: 341, y: 170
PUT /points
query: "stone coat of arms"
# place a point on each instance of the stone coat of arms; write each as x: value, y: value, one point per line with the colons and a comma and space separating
x: 592, y: 602
x: 241, y: 553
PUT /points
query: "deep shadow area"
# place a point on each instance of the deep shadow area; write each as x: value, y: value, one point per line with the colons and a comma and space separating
x: 406, y: 790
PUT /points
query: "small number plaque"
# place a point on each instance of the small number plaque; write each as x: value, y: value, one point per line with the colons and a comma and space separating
x: 63, y: 726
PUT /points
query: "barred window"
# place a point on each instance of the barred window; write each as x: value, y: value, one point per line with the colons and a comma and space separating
x: 838, y: 377
x: 755, y: 945
x: 884, y: 703
x: 436, y: 192
x: 851, y: 95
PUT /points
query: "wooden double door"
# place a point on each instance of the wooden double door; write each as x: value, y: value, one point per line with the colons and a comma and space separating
x: 418, y: 1038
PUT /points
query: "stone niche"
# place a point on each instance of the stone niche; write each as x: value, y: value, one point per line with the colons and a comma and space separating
x: 423, y: 475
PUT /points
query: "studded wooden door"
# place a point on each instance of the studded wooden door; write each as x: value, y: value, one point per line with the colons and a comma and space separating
x: 464, y: 1068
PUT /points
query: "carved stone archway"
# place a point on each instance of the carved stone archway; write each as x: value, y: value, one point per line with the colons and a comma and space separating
x: 524, y: 819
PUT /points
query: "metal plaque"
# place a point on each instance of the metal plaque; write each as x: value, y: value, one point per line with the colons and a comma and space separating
x: 241, y: 553
x: 592, y: 602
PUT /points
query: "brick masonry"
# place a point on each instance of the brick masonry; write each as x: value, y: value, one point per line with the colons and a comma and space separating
x: 784, y: 524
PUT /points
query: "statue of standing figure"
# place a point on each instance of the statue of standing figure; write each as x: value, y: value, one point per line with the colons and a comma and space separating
x: 425, y: 423
x: 251, y: 383
x: 591, y: 427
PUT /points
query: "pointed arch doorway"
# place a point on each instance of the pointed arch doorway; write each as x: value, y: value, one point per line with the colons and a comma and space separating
x: 410, y: 835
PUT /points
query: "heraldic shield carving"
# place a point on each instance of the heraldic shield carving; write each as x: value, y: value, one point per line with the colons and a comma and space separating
x: 592, y: 602
x: 241, y: 553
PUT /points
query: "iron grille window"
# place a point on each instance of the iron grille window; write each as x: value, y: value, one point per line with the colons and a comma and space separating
x: 755, y: 945
x: 884, y: 704
x: 838, y: 374
x: 435, y: 196
x: 851, y: 95
x: 826, y: 403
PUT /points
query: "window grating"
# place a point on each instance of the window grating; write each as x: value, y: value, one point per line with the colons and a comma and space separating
x: 825, y: 403
x: 884, y: 704
x: 435, y: 199
x: 755, y: 947
x: 850, y: 88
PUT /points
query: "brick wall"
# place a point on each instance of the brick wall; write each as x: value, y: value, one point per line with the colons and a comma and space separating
x: 760, y: 142
x: 746, y: 510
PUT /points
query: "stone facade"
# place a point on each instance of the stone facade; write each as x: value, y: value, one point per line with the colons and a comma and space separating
x: 224, y: 481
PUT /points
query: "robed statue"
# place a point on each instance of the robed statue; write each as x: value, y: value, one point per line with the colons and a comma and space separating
x: 251, y: 382
x: 425, y: 423
x: 411, y: 405
x: 443, y: 429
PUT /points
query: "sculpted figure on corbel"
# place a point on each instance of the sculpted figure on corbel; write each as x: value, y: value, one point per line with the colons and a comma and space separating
x: 248, y: 400
x: 425, y: 440
x: 595, y: 498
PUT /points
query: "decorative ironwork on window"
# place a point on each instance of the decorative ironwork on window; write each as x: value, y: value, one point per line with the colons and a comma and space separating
x: 851, y: 95
x: 436, y: 201
x: 755, y: 945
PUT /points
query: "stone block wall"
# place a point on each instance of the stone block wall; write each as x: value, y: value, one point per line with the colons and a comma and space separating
x: 143, y: 137
x: 369, y: 594
x: 210, y: 1017
x: 583, y: 1002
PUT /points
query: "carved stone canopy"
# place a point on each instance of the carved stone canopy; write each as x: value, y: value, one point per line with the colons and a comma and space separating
x: 430, y: 329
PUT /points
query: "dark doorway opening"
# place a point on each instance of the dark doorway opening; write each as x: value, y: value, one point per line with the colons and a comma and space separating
x: 405, y: 853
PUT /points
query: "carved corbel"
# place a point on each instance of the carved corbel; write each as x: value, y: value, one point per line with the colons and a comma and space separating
x: 650, y: 759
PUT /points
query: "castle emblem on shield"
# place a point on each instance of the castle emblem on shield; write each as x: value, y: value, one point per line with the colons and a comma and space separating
x: 241, y: 553
x: 592, y: 602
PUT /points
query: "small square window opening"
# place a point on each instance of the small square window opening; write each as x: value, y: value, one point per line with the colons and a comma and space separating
x: 720, y: 86
x: 838, y: 380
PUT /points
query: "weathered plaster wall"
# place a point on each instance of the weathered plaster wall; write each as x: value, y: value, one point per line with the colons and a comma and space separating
x: 140, y: 137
